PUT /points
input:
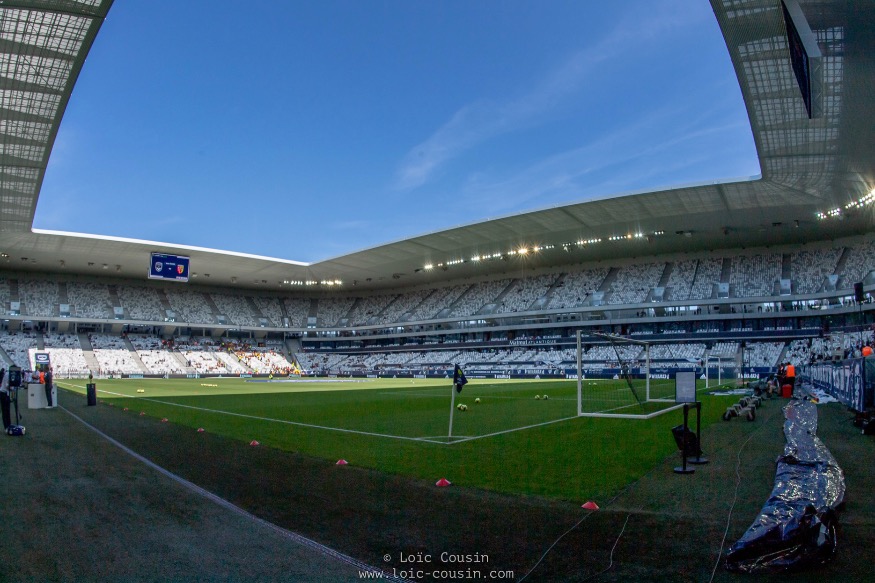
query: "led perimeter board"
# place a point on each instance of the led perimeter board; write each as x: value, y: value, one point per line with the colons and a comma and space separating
x: 168, y: 267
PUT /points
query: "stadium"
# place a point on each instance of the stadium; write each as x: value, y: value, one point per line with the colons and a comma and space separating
x: 226, y: 416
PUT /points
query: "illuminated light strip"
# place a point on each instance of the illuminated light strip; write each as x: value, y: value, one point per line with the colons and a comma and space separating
x: 523, y: 251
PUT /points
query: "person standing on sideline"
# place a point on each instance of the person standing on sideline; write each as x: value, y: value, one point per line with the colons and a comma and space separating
x: 48, y: 380
x: 4, y: 399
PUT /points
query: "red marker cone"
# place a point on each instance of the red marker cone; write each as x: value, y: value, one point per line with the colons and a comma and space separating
x: 200, y: 429
x: 125, y: 409
x: 253, y: 442
x: 341, y: 463
x: 142, y: 413
x: 442, y: 483
x: 590, y: 505
x: 164, y: 420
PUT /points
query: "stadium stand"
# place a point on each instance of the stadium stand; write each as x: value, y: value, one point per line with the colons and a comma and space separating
x: 763, y: 354
x: 271, y: 308
x: 477, y: 297
x: 190, y: 306
x: 39, y: 297
x: 403, y: 305
x: 707, y: 273
x: 66, y: 355
x: 521, y: 296
x: 755, y: 275
x: 5, y: 297
x: 633, y: 283
x: 141, y: 303
x: 750, y: 275
x: 811, y: 267
x: 155, y: 355
x: 113, y: 355
x: 20, y: 346
x: 333, y: 309
x: 680, y: 282
x: 89, y: 300
x: 298, y: 309
x: 574, y: 288
x: 724, y: 350
x: 437, y: 301
x: 235, y: 308
x: 366, y: 309
x: 858, y: 263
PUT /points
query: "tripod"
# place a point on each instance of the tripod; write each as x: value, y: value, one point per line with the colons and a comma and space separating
x: 16, y: 428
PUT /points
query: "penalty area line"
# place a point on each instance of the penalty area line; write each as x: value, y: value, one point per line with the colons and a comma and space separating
x: 514, y: 429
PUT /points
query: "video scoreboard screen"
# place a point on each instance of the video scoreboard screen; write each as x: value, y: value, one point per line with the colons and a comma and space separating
x: 168, y: 267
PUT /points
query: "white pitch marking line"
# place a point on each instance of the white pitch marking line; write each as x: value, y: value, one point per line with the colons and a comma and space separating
x: 515, y: 429
x: 291, y: 535
x: 341, y: 430
x: 423, y: 439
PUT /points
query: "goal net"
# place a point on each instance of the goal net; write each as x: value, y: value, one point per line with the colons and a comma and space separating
x: 721, y: 371
x: 614, y: 378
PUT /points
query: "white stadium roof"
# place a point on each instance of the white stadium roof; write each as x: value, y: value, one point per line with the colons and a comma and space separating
x: 818, y: 173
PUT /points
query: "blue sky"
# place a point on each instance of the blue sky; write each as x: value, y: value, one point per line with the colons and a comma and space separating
x: 307, y: 130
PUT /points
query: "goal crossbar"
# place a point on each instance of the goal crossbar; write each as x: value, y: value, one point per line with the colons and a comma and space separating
x: 607, y: 402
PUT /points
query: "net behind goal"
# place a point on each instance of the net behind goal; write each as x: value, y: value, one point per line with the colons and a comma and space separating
x: 614, y: 379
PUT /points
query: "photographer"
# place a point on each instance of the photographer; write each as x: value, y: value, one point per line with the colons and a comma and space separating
x: 4, y: 398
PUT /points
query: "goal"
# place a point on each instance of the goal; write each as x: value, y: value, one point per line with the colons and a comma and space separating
x: 614, y: 378
x: 721, y: 372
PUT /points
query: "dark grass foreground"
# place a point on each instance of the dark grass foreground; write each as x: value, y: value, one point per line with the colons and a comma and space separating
x: 76, y: 508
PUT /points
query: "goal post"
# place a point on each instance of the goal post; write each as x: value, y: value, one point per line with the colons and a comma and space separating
x: 630, y: 389
x: 720, y: 371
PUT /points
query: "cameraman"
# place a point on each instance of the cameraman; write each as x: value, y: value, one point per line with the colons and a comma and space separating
x: 4, y: 398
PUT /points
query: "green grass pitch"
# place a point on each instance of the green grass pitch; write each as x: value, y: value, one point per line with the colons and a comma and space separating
x: 509, y: 442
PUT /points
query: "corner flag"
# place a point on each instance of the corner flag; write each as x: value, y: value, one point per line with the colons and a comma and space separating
x: 459, y: 378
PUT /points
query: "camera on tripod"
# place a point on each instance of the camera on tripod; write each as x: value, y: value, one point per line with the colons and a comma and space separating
x: 14, y: 385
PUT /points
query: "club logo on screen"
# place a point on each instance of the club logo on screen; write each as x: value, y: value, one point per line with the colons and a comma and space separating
x: 180, y: 269
x: 159, y: 266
